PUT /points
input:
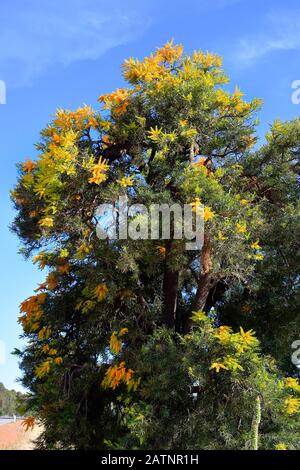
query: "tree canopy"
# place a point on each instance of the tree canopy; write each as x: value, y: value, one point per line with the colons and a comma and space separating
x: 142, y: 343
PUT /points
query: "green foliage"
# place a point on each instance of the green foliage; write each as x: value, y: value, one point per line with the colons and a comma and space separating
x: 187, y: 404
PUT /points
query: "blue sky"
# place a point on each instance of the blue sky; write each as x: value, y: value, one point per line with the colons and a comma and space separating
x: 66, y: 53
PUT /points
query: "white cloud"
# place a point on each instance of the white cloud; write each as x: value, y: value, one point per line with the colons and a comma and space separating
x: 36, y: 36
x: 281, y: 33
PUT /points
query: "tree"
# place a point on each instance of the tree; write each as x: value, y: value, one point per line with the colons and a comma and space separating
x: 115, y: 356
x: 10, y: 401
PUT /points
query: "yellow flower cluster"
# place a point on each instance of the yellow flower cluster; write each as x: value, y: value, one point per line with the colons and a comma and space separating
x: 44, y: 368
x: 291, y: 402
x: 45, y: 333
x: 241, y: 228
x: 241, y: 342
x: 135, y: 71
x: 126, y: 181
x: 48, y: 350
x: 207, y: 60
x: 196, y: 205
x: 206, y: 212
x: 169, y: 66
x: 228, y: 363
x: 292, y: 383
x: 217, y: 366
x: 115, y: 343
x: 224, y: 334
x: 169, y: 52
x: 292, y: 405
x: 199, y: 316
x: 99, y: 172
x: 255, y: 245
x: 46, y: 222
x: 82, y: 250
x: 59, y: 156
x: 281, y: 446
x: 233, y: 102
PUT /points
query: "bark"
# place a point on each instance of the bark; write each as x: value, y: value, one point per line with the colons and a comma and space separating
x: 205, y: 282
x: 204, y: 286
x: 170, y: 289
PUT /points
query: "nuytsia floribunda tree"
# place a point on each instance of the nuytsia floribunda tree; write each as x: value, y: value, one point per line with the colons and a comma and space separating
x: 141, y: 343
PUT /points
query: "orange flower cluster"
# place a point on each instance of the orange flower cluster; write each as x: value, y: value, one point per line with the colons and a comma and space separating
x: 28, y: 166
x: 169, y: 52
x: 117, y: 374
x: 51, y: 281
x: 28, y: 423
x: 64, y: 268
x: 81, y: 118
x: 118, y: 100
x: 32, y: 309
x: 101, y: 291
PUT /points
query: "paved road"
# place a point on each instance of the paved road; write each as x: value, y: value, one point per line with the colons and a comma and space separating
x: 6, y: 420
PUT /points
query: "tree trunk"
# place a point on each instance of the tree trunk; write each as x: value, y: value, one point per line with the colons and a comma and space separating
x: 205, y: 281
x: 204, y: 286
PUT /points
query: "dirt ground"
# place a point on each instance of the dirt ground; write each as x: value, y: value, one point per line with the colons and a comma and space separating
x: 13, y: 437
